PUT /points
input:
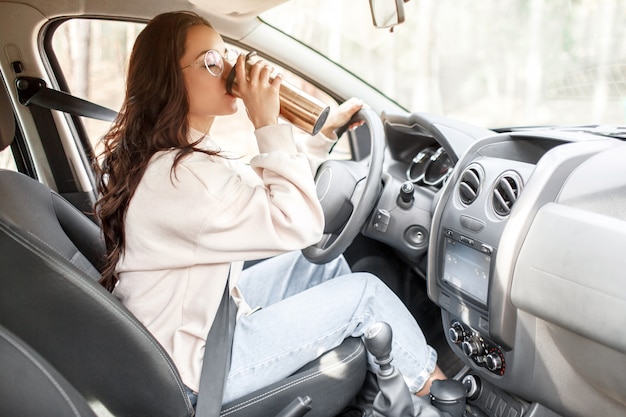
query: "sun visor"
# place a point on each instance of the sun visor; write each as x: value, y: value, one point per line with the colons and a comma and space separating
x: 234, y: 8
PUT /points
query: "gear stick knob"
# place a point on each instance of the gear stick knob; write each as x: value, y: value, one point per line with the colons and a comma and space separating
x: 378, y: 342
x: 393, y: 398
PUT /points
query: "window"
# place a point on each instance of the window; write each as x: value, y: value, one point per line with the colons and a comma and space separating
x: 93, y: 56
x: 492, y: 63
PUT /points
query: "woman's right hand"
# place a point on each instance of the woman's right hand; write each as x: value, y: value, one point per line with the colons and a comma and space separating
x: 259, y: 91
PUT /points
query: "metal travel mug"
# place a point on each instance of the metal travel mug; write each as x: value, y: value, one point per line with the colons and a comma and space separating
x: 300, y: 108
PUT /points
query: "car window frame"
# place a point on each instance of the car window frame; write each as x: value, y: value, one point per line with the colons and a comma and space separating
x: 88, y: 143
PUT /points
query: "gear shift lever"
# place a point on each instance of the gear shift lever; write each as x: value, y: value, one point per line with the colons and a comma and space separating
x: 394, y: 398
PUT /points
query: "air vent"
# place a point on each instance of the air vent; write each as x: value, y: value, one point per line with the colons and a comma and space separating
x: 469, y: 185
x: 506, y: 192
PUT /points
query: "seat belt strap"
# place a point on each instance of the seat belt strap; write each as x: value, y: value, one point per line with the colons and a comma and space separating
x: 33, y: 91
x: 216, y: 362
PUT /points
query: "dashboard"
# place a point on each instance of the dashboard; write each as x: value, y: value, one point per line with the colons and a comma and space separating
x: 490, y: 277
x: 422, y: 151
x: 521, y: 232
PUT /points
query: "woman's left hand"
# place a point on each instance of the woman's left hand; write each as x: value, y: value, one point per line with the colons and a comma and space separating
x: 340, y: 115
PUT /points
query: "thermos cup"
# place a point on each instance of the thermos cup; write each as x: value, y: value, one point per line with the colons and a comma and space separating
x: 300, y: 108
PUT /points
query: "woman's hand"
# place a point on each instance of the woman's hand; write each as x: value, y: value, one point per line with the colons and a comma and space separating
x: 259, y: 91
x: 340, y: 115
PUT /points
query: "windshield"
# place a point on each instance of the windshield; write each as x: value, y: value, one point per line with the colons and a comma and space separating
x: 489, y: 62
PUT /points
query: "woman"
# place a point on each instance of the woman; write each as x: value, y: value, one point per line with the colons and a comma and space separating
x: 179, y: 218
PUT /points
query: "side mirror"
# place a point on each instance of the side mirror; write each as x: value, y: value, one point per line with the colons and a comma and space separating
x: 387, y: 13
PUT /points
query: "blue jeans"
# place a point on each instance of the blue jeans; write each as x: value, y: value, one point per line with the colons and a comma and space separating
x: 308, y: 309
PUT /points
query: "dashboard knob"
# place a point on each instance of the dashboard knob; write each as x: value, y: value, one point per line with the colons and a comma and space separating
x: 493, y: 362
x: 405, y: 198
x: 471, y: 347
x: 473, y: 386
x: 456, y: 332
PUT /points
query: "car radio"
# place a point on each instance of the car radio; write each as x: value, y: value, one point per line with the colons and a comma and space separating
x: 466, y: 268
x: 463, y: 278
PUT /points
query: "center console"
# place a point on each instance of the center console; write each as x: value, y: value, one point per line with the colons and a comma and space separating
x: 463, y: 274
x: 464, y: 285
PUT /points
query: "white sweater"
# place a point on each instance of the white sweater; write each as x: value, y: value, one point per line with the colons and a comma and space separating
x: 185, y: 228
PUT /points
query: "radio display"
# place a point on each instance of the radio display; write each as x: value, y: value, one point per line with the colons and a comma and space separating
x: 466, y: 269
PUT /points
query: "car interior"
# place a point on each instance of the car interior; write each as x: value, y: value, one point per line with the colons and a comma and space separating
x: 504, y: 243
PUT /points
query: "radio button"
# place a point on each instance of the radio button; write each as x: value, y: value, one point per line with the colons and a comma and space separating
x: 486, y: 249
x: 470, y: 223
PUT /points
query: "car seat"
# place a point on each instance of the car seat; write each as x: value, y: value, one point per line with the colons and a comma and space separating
x: 30, y: 386
x: 49, y: 258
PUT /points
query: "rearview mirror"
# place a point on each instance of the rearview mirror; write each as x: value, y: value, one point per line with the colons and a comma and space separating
x: 387, y: 13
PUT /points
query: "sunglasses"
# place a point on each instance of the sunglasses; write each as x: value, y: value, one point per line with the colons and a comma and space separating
x: 213, y: 61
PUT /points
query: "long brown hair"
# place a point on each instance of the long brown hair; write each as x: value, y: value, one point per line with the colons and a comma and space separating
x: 153, y: 117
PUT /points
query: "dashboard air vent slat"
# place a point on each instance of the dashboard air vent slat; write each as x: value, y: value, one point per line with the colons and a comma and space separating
x: 505, y: 193
x: 469, y: 185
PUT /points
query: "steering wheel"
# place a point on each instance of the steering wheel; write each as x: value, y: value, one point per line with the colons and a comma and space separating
x: 348, y: 191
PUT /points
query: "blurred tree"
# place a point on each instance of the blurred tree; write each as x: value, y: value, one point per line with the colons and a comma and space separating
x: 80, y: 36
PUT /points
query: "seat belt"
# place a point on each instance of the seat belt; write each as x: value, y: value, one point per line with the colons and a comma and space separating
x: 216, y: 362
x: 33, y: 91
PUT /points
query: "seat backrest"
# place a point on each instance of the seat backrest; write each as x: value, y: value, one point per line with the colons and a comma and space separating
x: 37, y: 210
x: 50, y: 299
x: 30, y: 386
